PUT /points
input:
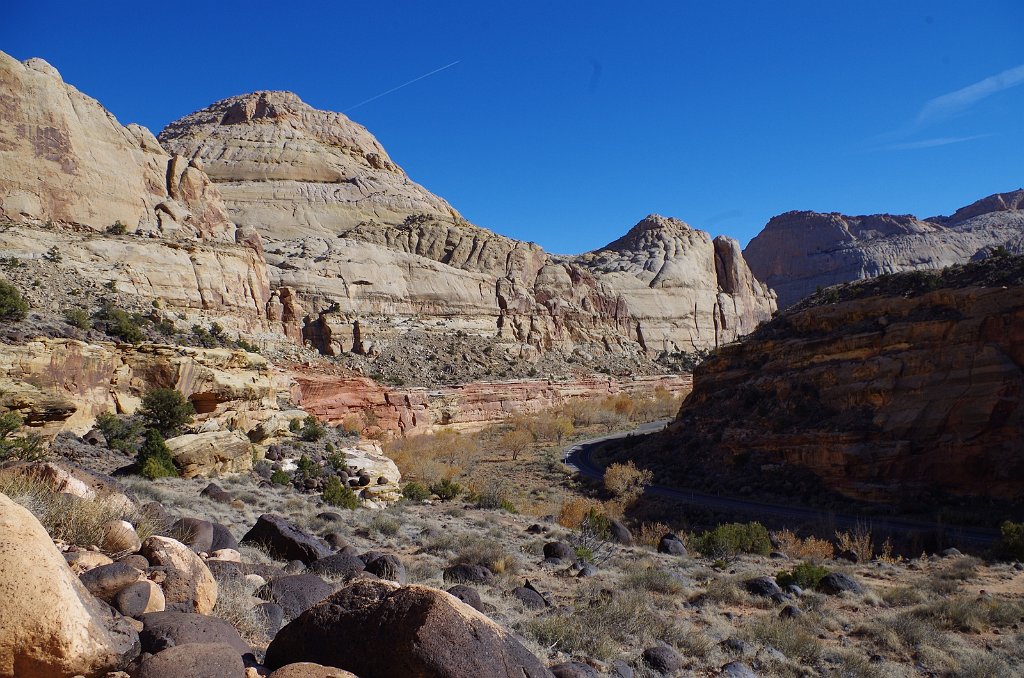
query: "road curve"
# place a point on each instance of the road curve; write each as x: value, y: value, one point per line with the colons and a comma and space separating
x: 578, y: 457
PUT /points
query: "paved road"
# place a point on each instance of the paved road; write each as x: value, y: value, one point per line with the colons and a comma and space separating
x: 578, y: 457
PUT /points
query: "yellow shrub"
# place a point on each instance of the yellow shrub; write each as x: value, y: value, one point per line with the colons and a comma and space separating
x: 811, y: 548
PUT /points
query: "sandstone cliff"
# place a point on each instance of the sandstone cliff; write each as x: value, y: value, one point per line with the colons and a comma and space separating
x: 69, y: 171
x: 797, y: 252
x: 903, y: 388
x: 367, y: 254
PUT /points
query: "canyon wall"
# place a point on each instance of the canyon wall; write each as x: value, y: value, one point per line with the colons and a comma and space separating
x: 905, y: 389
x: 798, y: 252
x: 352, y: 240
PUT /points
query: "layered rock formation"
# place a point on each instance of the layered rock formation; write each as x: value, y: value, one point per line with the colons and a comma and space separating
x: 335, y: 397
x: 69, y: 172
x: 367, y: 254
x: 798, y: 252
x: 905, y: 388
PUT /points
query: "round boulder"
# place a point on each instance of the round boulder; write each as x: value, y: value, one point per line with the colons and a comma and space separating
x: 140, y: 598
x: 559, y: 549
x: 197, y: 660
x: 464, y: 573
x: 284, y: 540
x: 161, y: 630
x: 574, y: 670
x: 295, y: 593
x: 662, y: 659
x: 835, y: 583
x: 195, y: 533
x: 120, y: 537
x: 106, y: 581
x: 672, y: 545
x: 468, y: 595
x: 194, y: 584
x: 388, y: 566
x: 378, y: 629
x: 309, y: 670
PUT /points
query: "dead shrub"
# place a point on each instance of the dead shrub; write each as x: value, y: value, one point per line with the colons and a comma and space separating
x: 575, y: 509
x: 626, y: 482
x: 858, y: 541
x: 650, y: 534
x: 811, y: 548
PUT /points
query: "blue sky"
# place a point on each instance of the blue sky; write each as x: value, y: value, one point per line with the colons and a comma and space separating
x: 566, y: 122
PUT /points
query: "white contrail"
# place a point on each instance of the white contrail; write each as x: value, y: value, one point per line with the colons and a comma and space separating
x: 404, y: 84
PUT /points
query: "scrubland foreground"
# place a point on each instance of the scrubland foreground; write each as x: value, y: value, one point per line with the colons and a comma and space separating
x: 494, y: 563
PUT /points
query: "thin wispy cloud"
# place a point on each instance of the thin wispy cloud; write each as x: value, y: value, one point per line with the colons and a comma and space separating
x: 952, y: 104
x: 931, y: 143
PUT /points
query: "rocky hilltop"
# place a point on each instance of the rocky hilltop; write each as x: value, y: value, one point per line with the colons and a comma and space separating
x: 91, y: 207
x: 798, y: 252
x: 902, y: 389
x: 367, y: 254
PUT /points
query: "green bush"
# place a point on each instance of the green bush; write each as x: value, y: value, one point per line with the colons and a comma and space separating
x: 336, y: 493
x: 731, y: 539
x: 121, y: 434
x: 24, y: 448
x: 279, y: 477
x: 166, y: 410
x: 1011, y: 541
x: 117, y: 228
x: 12, y: 306
x: 77, y: 317
x: 804, y: 575
x: 415, y: 492
x: 154, y: 460
x: 312, y: 430
x: 123, y: 325
x: 294, y: 425
x: 446, y: 489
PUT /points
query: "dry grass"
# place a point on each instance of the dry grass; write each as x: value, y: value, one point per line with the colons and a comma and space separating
x: 650, y: 534
x: 654, y: 580
x: 791, y: 637
x: 71, y: 519
x: 236, y: 605
x: 859, y: 542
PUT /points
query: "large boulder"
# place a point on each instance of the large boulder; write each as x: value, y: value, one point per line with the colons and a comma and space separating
x: 284, y: 540
x: 194, y: 533
x: 211, y: 454
x: 296, y: 593
x: 50, y: 625
x: 379, y: 629
x: 198, y: 589
x: 106, y: 581
x: 195, y: 660
x: 309, y: 670
x: 341, y: 564
x: 162, y: 630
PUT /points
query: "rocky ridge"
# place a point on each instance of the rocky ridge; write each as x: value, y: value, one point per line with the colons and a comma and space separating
x: 905, y: 389
x: 798, y: 252
x: 350, y: 239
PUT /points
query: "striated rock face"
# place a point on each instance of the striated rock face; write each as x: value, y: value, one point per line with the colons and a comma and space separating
x: 69, y: 171
x: 65, y: 158
x: 288, y: 168
x: 899, y: 391
x: 471, y: 406
x: 797, y: 252
x: 361, y: 253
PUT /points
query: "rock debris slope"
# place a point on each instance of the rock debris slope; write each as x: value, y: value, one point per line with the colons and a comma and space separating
x: 366, y: 253
x: 797, y: 252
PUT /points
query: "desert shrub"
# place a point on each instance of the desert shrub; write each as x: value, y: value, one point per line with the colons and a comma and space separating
x: 859, y: 542
x: 295, y: 425
x: 574, y: 510
x: 12, y: 306
x: 804, y: 575
x: 551, y: 427
x: 121, y: 324
x: 653, y: 580
x: 337, y: 493
x: 515, y: 441
x: 352, y: 425
x: 385, y: 524
x: 598, y: 625
x: 117, y: 228
x: 279, y: 477
x: 121, y: 433
x: 446, y: 489
x: 415, y: 492
x: 336, y: 458
x: 650, y: 534
x: 312, y: 430
x: 27, y: 447
x: 791, y: 637
x: 1011, y: 541
x: 473, y: 549
x: 166, y: 411
x: 811, y: 548
x: 626, y: 482
x: 731, y: 539
x: 154, y: 459
x: 721, y: 591
x: 902, y: 596
x: 590, y: 539
x: 972, y: 614
x: 433, y: 456
x: 77, y: 317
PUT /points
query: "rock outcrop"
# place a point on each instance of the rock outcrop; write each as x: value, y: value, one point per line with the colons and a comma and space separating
x: 798, y: 252
x: 355, y: 245
x: 52, y: 626
x: 69, y: 171
x: 899, y: 389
